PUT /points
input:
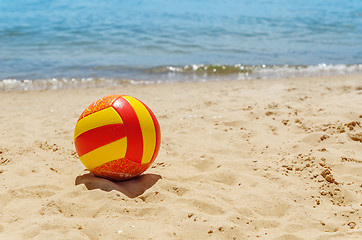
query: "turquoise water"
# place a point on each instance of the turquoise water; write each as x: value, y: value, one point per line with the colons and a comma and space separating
x: 87, y: 41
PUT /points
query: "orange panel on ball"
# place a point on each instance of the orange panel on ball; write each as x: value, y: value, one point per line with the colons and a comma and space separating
x: 98, y: 105
x: 120, y: 169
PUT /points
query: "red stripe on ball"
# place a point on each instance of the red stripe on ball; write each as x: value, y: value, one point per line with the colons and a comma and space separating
x: 98, y: 137
x: 132, y: 127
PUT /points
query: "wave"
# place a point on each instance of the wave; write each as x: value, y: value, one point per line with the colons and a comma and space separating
x: 239, y: 71
x: 194, y: 72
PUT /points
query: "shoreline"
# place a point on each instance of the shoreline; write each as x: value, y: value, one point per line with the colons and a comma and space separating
x: 187, y: 73
x: 273, y: 158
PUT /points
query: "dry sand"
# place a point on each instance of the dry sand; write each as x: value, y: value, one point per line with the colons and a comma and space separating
x: 267, y: 159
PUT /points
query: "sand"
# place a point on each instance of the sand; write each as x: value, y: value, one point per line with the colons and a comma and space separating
x: 261, y: 159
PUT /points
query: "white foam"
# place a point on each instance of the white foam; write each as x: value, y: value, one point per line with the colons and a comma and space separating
x: 195, y: 72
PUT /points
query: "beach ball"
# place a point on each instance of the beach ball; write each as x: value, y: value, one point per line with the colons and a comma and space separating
x: 117, y: 137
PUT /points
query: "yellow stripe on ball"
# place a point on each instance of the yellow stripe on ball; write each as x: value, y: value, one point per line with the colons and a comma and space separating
x: 112, y: 151
x: 104, y: 117
x: 147, y: 128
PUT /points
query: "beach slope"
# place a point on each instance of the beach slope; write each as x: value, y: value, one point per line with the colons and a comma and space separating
x: 267, y: 159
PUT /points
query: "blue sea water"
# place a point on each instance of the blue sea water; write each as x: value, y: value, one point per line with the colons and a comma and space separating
x: 149, y: 40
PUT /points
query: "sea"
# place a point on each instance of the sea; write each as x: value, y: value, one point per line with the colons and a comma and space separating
x: 51, y: 44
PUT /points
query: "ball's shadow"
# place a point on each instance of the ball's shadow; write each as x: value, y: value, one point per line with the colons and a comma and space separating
x: 131, y: 188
